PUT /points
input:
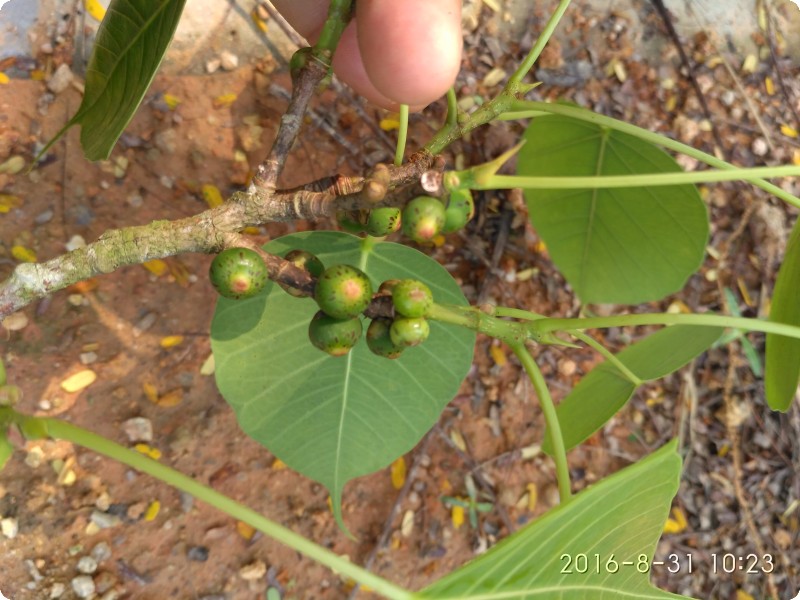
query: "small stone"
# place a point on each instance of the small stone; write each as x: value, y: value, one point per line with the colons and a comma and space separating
x: 253, y: 571
x: 44, y: 404
x: 104, y: 581
x: 101, y: 552
x: 57, y: 590
x: 760, y: 147
x: 87, y: 565
x: 213, y: 66
x: 43, y: 217
x: 136, y: 510
x: 10, y: 527
x: 104, y: 520
x: 197, y: 553
x: 135, y: 200
x: 46, y: 48
x: 75, y: 242
x: 61, y: 79
x: 15, y: 322
x: 34, y: 457
x: 75, y: 299
x: 167, y: 141
x: 88, y: 358
x: 83, y: 586
x: 228, y: 60
x: 110, y: 595
x: 138, y: 429
x: 167, y: 181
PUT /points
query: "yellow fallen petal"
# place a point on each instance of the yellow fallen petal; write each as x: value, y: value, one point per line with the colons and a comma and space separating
x: 769, y: 85
x: 95, y: 9
x: 457, y: 516
x: 260, y: 23
x: 171, y: 101
x: 153, y: 453
x: 498, y: 356
x: 224, y: 100
x: 7, y: 202
x: 150, y: 392
x: 37, y: 75
x: 171, y: 398
x: 389, y: 123
x: 398, y: 471
x: 789, y: 131
x: 533, y: 496
x: 458, y: 440
x: 209, y: 366
x: 23, y: 254
x: 278, y: 464
x: 170, y: 341
x: 677, y: 523
x: 78, y: 381
x: 742, y: 595
x: 245, y: 530
x: 251, y: 231
x: 156, y: 266
x: 212, y: 195
x: 3, y: 78
x: 152, y: 511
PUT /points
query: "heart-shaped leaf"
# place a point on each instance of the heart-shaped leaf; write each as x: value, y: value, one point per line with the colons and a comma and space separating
x: 130, y: 45
x: 333, y: 419
x: 599, y: 545
x: 623, y: 245
x: 605, y: 390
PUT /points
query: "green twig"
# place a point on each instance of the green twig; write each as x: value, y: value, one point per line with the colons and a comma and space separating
x: 550, y: 417
x: 544, y: 37
x: 402, y: 134
x: 339, y: 14
x: 525, y: 109
x: 452, y: 108
x: 101, y: 445
x: 607, y: 354
x: 628, y: 181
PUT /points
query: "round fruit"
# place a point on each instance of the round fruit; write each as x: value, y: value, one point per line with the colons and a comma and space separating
x: 412, y: 298
x: 343, y: 292
x: 406, y: 332
x: 238, y: 273
x: 460, y: 209
x: 423, y: 218
x: 379, y: 339
x: 306, y: 261
x: 334, y: 336
x: 383, y: 221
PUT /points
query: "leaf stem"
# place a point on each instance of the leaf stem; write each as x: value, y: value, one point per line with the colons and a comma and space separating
x: 628, y: 181
x: 402, y: 134
x: 544, y: 37
x: 338, y: 17
x: 607, y: 354
x: 452, y: 108
x: 473, y: 318
x: 551, y: 419
x: 544, y: 326
x: 525, y: 109
x: 63, y: 430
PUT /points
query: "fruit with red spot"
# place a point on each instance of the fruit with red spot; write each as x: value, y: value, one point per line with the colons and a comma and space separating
x: 334, y: 336
x: 379, y: 338
x: 343, y: 292
x: 238, y: 273
x: 412, y: 298
x: 423, y: 219
x: 406, y: 332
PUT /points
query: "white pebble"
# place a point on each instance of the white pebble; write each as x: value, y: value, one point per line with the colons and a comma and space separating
x: 83, y: 585
x: 138, y: 429
x: 87, y: 565
x: 229, y: 61
x: 75, y: 242
x: 10, y: 527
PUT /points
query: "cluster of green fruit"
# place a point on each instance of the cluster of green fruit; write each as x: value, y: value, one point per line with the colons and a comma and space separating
x: 342, y: 293
x: 421, y: 220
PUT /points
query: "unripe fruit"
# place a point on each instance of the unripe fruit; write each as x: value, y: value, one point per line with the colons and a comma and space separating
x: 406, y: 332
x: 423, y: 219
x: 343, y: 292
x: 334, y: 336
x: 460, y: 209
x: 238, y: 273
x: 412, y: 298
x: 306, y: 261
x: 383, y: 221
x: 379, y: 339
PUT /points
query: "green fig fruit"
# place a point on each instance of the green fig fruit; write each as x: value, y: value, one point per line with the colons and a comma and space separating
x: 306, y: 261
x: 334, y: 336
x: 238, y: 273
x: 379, y: 338
x: 460, y: 210
x: 383, y: 221
x: 343, y: 292
x: 423, y: 219
x: 406, y: 332
x: 412, y: 298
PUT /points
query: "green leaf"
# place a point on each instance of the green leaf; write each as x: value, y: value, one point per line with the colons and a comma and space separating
x: 6, y: 449
x: 333, y: 419
x: 130, y: 45
x: 623, y: 245
x: 619, y: 519
x: 605, y: 390
x: 782, y: 370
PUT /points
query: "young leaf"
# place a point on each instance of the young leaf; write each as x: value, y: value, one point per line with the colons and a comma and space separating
x: 336, y: 418
x: 605, y: 390
x: 618, y: 520
x: 6, y: 450
x: 782, y: 370
x: 130, y: 45
x: 623, y: 245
